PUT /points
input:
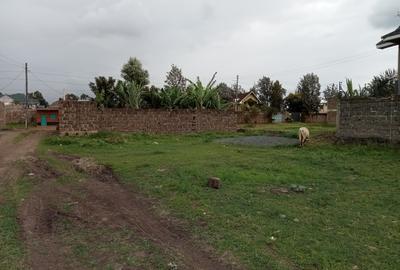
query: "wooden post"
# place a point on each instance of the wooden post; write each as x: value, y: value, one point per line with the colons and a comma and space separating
x: 26, y: 95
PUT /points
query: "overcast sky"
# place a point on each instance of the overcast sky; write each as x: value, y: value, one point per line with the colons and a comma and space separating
x: 68, y: 42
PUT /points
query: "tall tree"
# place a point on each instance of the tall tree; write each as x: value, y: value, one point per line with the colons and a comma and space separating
x: 331, y: 91
x: 227, y: 94
x: 263, y: 90
x: 276, y: 98
x: 39, y: 97
x: 270, y: 93
x: 294, y: 103
x: 104, y: 91
x: 309, y: 88
x: 175, y: 78
x: 133, y: 71
x: 383, y: 85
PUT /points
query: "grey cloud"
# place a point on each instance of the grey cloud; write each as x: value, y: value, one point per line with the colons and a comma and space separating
x: 250, y: 38
x: 384, y: 14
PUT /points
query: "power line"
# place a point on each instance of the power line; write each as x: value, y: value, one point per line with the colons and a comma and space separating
x: 12, y: 81
x: 11, y: 59
x: 45, y: 83
x: 329, y: 63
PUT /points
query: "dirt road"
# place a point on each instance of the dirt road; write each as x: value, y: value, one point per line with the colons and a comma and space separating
x: 95, y: 202
x: 16, y: 145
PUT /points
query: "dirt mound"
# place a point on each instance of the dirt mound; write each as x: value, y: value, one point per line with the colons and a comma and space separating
x: 89, y: 166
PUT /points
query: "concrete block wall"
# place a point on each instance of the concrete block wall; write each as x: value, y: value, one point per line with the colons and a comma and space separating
x: 369, y: 118
x: 84, y: 117
x: 2, y: 115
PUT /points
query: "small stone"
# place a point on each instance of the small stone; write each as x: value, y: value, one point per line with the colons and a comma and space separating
x: 172, y: 266
x: 214, y: 182
x: 296, y: 220
x: 272, y: 238
x: 31, y: 174
x: 282, y: 216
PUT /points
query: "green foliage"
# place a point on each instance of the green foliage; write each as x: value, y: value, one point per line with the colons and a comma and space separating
x: 383, y: 85
x: 104, y: 91
x: 151, y: 97
x: 227, y: 94
x: 202, y: 96
x: 85, y: 97
x: 133, y: 71
x: 130, y: 94
x: 309, y: 88
x: 173, y: 98
x: 270, y: 93
x: 331, y: 91
x: 175, y: 79
x: 294, y: 103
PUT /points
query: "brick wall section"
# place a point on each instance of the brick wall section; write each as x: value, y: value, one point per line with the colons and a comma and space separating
x: 16, y: 114
x: 369, y: 118
x: 248, y: 118
x: 2, y: 115
x: 85, y: 117
x: 316, y: 118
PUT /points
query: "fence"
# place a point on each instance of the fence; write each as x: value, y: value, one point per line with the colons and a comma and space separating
x: 2, y: 115
x: 369, y: 118
x: 84, y: 117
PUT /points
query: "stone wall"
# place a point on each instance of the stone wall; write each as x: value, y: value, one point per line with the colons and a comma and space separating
x: 16, y: 114
x: 316, y: 118
x: 2, y: 115
x: 253, y: 118
x: 369, y: 118
x: 85, y: 117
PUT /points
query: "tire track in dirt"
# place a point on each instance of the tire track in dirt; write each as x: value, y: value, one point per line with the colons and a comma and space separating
x: 106, y: 203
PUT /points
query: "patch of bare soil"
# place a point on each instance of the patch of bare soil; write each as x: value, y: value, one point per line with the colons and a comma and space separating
x: 101, y: 202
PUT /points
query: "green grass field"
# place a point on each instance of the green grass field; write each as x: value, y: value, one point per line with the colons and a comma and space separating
x: 347, y: 218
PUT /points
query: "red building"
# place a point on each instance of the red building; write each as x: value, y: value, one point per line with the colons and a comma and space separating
x: 47, y: 116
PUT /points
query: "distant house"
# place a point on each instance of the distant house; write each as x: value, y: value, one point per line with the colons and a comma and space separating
x: 18, y: 99
x: 6, y: 100
x: 249, y: 98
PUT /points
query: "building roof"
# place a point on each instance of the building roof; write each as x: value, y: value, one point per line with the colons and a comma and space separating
x: 243, y: 97
x: 6, y: 98
x: 389, y: 40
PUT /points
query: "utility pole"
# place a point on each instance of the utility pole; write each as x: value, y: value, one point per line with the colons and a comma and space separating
x: 26, y: 95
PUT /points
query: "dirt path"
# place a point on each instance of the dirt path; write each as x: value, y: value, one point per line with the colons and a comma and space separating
x: 99, y: 201
x: 16, y: 145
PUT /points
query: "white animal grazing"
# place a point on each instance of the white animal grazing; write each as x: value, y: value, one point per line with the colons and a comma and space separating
x: 304, y: 135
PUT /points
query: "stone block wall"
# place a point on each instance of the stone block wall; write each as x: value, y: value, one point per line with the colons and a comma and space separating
x: 369, y: 118
x: 2, y: 115
x: 85, y: 117
x: 16, y: 114
x: 254, y: 119
x: 316, y: 118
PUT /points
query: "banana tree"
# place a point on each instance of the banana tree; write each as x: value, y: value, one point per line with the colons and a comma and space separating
x: 130, y: 94
x: 202, y: 97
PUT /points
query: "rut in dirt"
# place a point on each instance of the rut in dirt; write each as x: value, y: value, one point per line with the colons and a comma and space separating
x: 106, y: 203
